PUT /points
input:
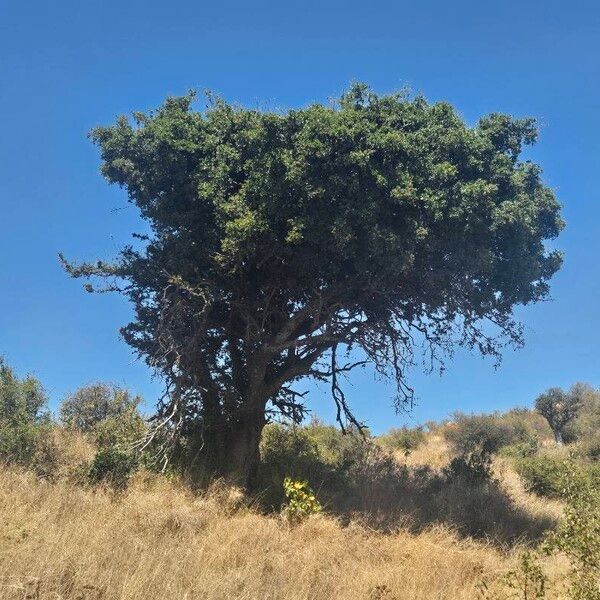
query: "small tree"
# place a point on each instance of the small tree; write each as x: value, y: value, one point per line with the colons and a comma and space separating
x: 23, y: 415
x: 276, y: 241
x: 94, y: 403
x: 559, y: 408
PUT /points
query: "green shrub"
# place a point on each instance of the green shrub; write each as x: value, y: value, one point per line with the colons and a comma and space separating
x: 487, y: 433
x: 589, y: 448
x: 586, y: 424
x: 92, y: 404
x: 543, y: 475
x: 524, y: 449
x: 122, y: 431
x: 469, y: 498
x: 404, y: 438
x: 473, y: 469
x: 349, y: 471
x: 288, y: 452
x: 113, y: 466
x: 301, y: 501
x: 578, y: 533
x: 24, y: 420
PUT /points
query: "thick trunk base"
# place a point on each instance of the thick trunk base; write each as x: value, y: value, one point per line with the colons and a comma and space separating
x: 230, y: 452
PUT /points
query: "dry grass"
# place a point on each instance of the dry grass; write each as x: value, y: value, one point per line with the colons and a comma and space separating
x: 159, y: 542
x: 532, y: 504
x: 435, y: 452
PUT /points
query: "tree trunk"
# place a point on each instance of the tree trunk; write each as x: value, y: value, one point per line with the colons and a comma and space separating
x: 229, y: 451
x: 558, y: 437
x: 242, y: 452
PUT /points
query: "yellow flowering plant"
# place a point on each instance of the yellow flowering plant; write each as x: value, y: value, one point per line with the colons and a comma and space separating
x: 301, y: 500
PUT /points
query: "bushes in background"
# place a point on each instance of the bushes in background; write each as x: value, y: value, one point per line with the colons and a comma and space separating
x: 353, y: 476
x: 95, y: 403
x: 24, y: 421
x: 108, y: 415
x: 486, y: 433
x: 405, y: 439
x: 290, y: 452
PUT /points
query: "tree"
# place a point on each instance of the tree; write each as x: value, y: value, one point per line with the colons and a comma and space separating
x: 279, y: 242
x: 23, y: 415
x: 95, y: 403
x: 559, y: 407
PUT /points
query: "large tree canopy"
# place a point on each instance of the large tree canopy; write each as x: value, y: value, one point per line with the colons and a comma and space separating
x: 280, y: 240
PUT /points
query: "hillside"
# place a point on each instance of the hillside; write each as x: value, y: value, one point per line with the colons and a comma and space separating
x: 158, y: 541
x: 483, y: 506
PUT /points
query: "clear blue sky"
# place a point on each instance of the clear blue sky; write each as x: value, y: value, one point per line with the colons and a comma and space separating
x: 69, y: 65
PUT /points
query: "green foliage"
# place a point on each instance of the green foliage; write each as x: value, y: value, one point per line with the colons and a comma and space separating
x: 24, y: 420
x: 585, y: 426
x: 405, y: 438
x: 353, y: 223
x: 289, y: 452
x: 542, y: 474
x: 112, y: 466
x: 349, y: 471
x: 578, y: 534
x: 473, y: 469
x: 589, y: 448
x: 95, y: 403
x: 353, y: 475
x: 577, y: 537
x: 560, y: 408
x: 122, y: 431
x: 485, y: 433
x: 301, y: 501
x: 528, y: 581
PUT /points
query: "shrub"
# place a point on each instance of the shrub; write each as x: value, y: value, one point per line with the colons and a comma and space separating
x: 589, y: 448
x: 92, y: 404
x: 524, y: 449
x: 525, y: 582
x: 112, y: 466
x: 404, y: 438
x: 473, y: 469
x: 301, y: 500
x: 542, y: 474
x: 349, y: 471
x: 587, y: 422
x: 479, y: 433
x: 578, y: 534
x: 121, y: 431
x: 24, y: 420
x: 288, y: 452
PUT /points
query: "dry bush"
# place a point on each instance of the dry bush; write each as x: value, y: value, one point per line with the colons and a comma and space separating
x: 158, y: 541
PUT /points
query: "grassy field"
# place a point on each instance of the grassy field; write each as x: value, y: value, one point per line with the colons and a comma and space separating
x: 158, y: 541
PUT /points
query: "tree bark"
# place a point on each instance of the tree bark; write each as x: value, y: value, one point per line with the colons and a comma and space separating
x: 230, y: 451
x: 558, y: 437
x: 242, y: 453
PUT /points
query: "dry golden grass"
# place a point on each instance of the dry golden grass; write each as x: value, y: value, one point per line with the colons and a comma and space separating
x: 435, y: 452
x: 513, y: 485
x: 159, y: 542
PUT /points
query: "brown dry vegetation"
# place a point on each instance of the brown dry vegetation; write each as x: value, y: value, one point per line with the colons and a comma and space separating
x: 158, y: 541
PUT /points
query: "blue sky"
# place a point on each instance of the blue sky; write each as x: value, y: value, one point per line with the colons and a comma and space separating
x: 67, y: 66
